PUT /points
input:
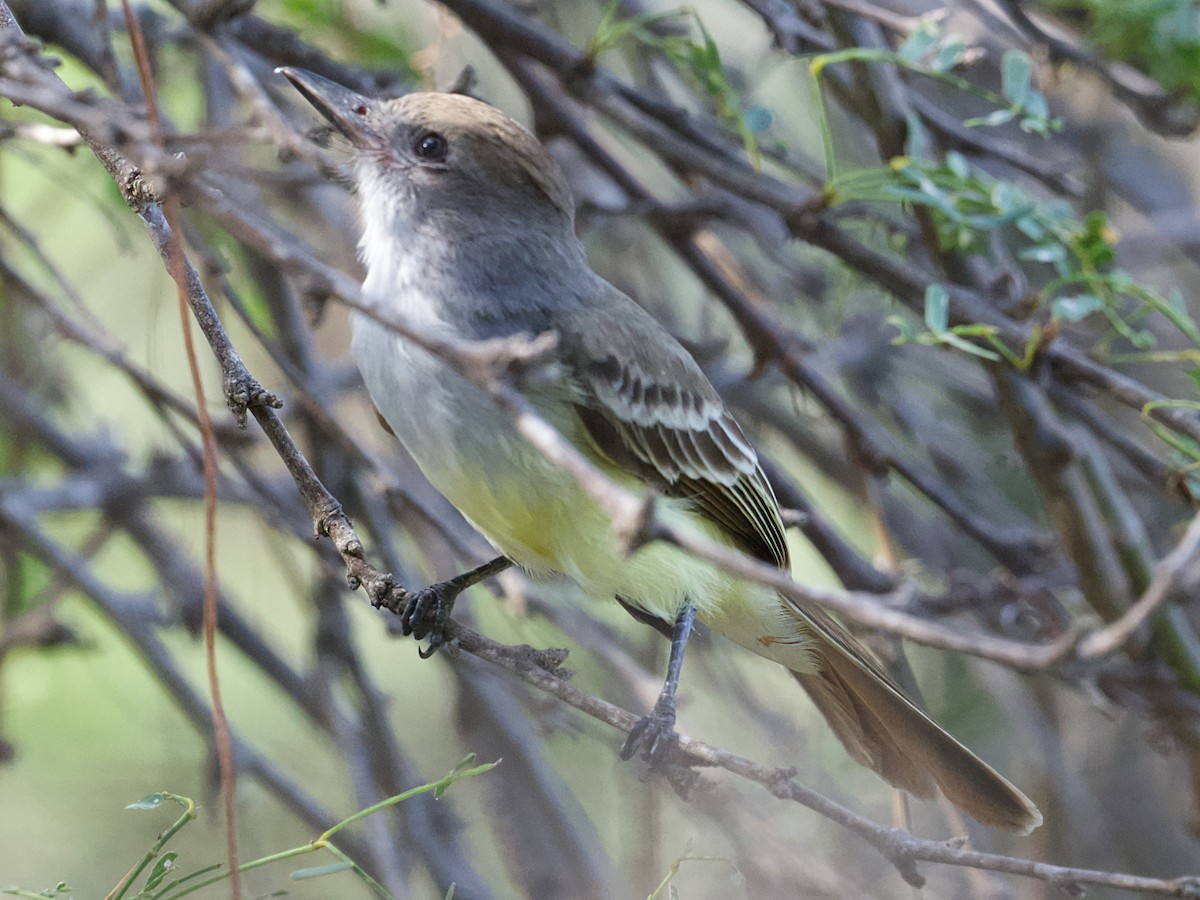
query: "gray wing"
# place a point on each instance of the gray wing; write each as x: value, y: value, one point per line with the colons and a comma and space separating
x: 648, y: 407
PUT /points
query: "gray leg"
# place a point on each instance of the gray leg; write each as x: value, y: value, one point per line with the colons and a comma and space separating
x: 652, y: 734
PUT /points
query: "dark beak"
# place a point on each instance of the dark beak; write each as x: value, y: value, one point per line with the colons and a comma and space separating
x: 346, y: 110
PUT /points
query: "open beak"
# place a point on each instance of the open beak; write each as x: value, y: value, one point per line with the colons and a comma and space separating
x: 346, y: 110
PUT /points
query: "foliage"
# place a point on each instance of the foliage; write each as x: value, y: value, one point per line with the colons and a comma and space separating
x: 333, y: 23
x: 166, y: 865
x: 966, y: 205
x: 700, y: 61
x: 1161, y: 37
x: 933, y: 53
x: 666, y: 887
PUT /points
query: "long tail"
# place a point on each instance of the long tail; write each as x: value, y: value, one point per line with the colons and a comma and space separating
x: 882, y: 729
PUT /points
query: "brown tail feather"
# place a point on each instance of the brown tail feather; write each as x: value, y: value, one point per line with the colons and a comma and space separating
x: 884, y: 731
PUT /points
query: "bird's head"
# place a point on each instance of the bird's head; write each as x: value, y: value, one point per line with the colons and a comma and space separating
x: 442, y: 155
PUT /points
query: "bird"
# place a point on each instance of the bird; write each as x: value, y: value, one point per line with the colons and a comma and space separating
x: 468, y: 231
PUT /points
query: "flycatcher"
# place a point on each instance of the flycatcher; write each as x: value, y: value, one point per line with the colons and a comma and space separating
x: 468, y: 228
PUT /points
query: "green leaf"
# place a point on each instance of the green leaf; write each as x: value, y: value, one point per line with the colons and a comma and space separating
x: 917, y: 143
x: 1180, y: 442
x: 937, y: 308
x: 933, y: 198
x: 995, y: 117
x: 1016, y: 75
x: 990, y: 222
x: 150, y: 801
x: 1039, y: 123
x: 958, y: 165
x: 701, y: 61
x: 920, y: 42
x: 164, y: 867
x: 907, y: 333
x: 1006, y: 197
x: 1031, y: 228
x: 953, y: 340
x: 1045, y: 253
x: 1077, y: 308
x: 467, y: 762
x: 949, y: 54
x: 612, y: 31
x: 318, y: 871
x: 25, y: 893
x: 1035, y: 106
x: 975, y: 329
x: 48, y: 894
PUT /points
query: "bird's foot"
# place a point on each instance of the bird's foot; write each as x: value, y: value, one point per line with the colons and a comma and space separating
x: 655, y: 740
x: 653, y: 737
x: 426, y: 612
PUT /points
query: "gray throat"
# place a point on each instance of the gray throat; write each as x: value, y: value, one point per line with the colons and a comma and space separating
x: 479, y: 283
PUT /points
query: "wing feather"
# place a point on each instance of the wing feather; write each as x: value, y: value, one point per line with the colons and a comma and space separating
x: 647, y: 406
x: 681, y: 439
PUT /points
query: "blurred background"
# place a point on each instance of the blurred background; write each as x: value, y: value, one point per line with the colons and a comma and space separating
x: 947, y: 286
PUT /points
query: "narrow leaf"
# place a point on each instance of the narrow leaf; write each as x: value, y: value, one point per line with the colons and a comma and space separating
x: 164, y: 867
x: 150, y: 801
x: 318, y: 871
x: 937, y: 308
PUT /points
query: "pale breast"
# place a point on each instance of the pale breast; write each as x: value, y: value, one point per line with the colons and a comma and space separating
x: 433, y: 410
x: 531, y: 510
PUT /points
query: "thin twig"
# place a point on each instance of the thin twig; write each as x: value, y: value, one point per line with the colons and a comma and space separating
x: 1166, y: 576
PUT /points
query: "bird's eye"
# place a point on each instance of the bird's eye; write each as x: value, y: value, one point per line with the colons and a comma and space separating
x: 431, y: 146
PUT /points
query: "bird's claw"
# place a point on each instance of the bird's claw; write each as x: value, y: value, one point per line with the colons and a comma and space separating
x: 653, y: 737
x: 426, y: 613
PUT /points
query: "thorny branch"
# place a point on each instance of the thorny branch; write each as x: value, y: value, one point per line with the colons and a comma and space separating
x: 567, y: 81
x: 486, y: 363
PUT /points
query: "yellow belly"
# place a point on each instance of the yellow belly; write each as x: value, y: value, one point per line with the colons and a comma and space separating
x: 545, y: 523
x: 536, y: 514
